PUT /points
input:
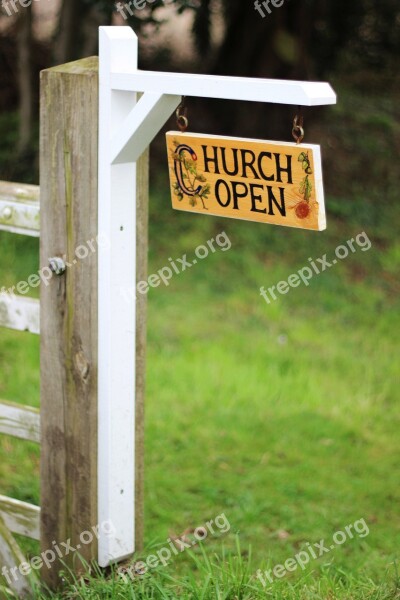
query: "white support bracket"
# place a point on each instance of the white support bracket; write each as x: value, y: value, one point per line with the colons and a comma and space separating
x: 126, y: 128
x: 141, y: 126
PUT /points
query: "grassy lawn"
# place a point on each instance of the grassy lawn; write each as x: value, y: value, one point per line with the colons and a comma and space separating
x: 282, y: 416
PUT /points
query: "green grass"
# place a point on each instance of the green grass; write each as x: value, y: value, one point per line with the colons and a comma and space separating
x: 228, y: 576
x: 282, y: 416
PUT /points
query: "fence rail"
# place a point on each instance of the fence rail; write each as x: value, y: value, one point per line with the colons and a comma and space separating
x: 21, y: 518
x: 19, y: 208
x: 19, y: 213
x: 20, y: 421
x: 20, y: 313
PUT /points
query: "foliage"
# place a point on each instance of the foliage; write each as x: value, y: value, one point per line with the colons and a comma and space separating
x: 367, y: 30
x: 191, y: 179
x: 228, y: 575
x: 305, y: 185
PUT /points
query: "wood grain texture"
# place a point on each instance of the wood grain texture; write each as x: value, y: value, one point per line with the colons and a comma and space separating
x: 277, y: 183
x: 68, y: 187
x: 20, y: 421
x: 19, y: 208
x: 20, y: 517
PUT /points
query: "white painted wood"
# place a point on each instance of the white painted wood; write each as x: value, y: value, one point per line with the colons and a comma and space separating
x: 11, y: 557
x: 19, y: 208
x: 117, y: 315
x: 302, y: 93
x: 126, y: 128
x: 142, y: 125
x: 20, y: 421
x: 20, y: 517
x: 319, y: 183
x: 20, y: 313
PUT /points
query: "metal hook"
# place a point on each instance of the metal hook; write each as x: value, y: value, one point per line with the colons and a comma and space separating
x: 298, y: 127
x: 181, y: 116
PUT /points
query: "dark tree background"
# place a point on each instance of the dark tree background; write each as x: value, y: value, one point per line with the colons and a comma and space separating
x: 303, y: 39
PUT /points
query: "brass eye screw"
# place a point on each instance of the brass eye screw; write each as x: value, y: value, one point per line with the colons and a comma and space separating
x: 181, y: 118
x: 298, y: 129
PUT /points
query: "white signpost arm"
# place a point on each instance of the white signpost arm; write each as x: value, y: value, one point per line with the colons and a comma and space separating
x: 251, y: 89
x: 126, y: 128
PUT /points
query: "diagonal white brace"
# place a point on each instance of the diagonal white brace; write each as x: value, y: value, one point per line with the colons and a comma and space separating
x: 141, y: 126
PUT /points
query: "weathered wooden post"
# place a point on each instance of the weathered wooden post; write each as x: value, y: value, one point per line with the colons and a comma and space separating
x: 69, y: 312
x: 68, y: 185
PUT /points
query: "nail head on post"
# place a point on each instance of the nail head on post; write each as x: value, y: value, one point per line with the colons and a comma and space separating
x: 57, y: 265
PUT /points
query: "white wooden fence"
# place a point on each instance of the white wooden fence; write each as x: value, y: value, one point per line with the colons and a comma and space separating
x: 19, y: 214
x: 66, y: 318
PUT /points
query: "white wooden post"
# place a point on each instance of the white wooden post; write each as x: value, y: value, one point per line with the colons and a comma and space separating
x: 127, y: 126
x: 117, y: 268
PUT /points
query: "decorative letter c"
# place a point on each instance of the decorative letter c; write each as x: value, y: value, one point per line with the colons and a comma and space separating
x: 179, y: 173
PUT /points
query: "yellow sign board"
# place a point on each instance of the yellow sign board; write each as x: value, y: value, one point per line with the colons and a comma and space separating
x: 279, y: 183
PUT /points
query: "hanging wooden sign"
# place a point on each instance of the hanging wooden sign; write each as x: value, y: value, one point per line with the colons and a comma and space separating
x: 279, y: 183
